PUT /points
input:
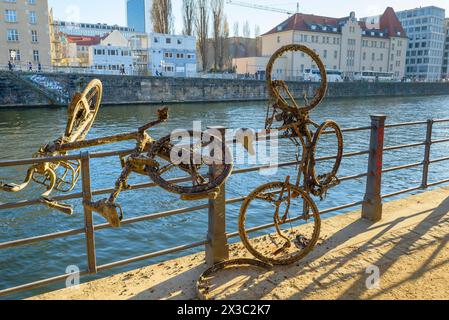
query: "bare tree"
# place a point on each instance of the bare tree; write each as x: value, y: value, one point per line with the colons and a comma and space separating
x: 236, y: 29
x: 202, y: 30
x: 246, y: 30
x: 189, y: 14
x: 224, y: 40
x: 256, y: 30
x: 162, y: 16
x: 217, y: 7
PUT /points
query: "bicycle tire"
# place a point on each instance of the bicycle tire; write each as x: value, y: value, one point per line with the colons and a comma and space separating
x: 243, y: 217
x: 321, y: 91
x: 157, y: 150
x: 330, y: 177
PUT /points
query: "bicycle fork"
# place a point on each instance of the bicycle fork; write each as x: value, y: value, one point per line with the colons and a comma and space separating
x: 277, y: 219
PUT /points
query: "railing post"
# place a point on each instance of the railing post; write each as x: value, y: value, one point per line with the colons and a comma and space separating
x: 426, y: 163
x: 88, y: 220
x: 372, y: 206
x: 217, y: 248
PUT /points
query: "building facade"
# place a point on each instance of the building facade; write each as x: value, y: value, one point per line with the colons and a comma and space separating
x: 112, y: 54
x: 425, y: 29
x: 345, y: 44
x: 138, y: 15
x: 445, y: 69
x: 24, y: 33
x: 172, y: 55
x: 91, y: 29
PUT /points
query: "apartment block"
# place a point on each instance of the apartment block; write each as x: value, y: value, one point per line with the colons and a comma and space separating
x: 345, y: 44
x: 426, y: 32
x: 24, y: 33
x: 92, y: 29
x: 445, y: 69
x: 172, y: 55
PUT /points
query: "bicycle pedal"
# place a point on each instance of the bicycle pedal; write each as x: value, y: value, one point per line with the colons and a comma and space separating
x: 10, y: 187
x: 52, y: 204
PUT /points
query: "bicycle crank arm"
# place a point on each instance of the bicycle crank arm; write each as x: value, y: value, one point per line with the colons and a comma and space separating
x: 52, y: 204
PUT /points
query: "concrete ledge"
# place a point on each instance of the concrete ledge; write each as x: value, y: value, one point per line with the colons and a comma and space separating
x: 410, y: 246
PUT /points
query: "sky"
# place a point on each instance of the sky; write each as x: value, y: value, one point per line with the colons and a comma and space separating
x: 114, y: 12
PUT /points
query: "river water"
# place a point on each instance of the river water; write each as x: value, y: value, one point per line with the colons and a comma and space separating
x: 22, y: 131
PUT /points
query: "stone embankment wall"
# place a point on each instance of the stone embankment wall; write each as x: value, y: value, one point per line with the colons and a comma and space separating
x: 146, y: 90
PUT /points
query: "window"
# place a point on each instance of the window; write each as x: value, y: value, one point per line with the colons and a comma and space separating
x: 14, y: 55
x: 168, y: 40
x: 325, y: 54
x: 13, y: 35
x: 33, y: 36
x: 32, y: 2
x: 10, y: 15
x: 156, y: 40
x: 179, y: 41
x: 32, y: 17
x: 36, y: 55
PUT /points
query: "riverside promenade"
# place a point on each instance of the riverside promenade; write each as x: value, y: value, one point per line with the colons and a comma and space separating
x: 410, y: 246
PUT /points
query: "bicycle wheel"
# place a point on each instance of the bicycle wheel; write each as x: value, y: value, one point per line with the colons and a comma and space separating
x: 324, y: 174
x: 301, y: 229
x: 194, y: 159
x: 82, y: 112
x: 272, y: 85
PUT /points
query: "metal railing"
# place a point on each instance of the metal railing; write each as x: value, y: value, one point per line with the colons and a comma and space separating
x: 216, y: 242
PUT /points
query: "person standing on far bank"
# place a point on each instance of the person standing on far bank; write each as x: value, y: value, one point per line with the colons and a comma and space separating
x: 9, y: 65
x: 30, y: 66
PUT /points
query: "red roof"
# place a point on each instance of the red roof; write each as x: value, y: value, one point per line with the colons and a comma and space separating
x: 389, y: 24
x: 84, y: 40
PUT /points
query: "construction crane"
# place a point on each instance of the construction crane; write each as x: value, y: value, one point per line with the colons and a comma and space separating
x: 257, y: 6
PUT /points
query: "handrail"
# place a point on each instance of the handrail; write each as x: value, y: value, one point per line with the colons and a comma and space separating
x: 85, y: 158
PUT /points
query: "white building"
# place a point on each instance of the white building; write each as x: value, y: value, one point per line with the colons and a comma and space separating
x: 92, y: 29
x: 172, y: 55
x: 112, y: 54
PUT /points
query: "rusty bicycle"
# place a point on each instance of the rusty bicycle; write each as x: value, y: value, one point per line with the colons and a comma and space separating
x: 286, y: 202
x: 197, y: 154
x: 63, y: 175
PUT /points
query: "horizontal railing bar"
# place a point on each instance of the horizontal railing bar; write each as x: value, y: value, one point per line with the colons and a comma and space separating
x: 440, y: 141
x: 270, y: 225
x: 354, y: 177
x: 405, y: 124
x: 440, y: 120
x: 346, y: 206
x: 51, y: 236
x: 37, y: 284
x: 151, y: 255
x: 439, y: 160
x: 406, y: 166
x: 23, y: 162
x: 153, y: 216
x: 437, y: 183
x: 404, y: 146
x: 401, y: 192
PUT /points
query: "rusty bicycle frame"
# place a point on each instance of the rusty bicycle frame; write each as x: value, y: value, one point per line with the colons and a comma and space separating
x: 295, y: 125
x: 82, y: 112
